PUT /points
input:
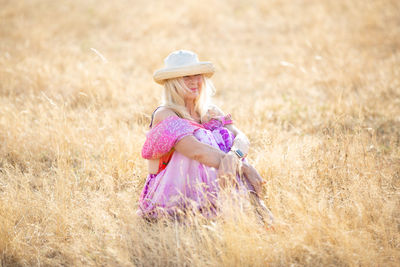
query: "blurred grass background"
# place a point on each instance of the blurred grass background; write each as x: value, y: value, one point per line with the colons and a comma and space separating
x: 314, y: 84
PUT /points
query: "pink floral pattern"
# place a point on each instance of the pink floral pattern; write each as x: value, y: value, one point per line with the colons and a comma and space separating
x: 218, y: 122
x: 222, y: 136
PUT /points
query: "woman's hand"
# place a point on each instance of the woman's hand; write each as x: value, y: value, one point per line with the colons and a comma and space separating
x: 253, y: 177
x: 227, y: 170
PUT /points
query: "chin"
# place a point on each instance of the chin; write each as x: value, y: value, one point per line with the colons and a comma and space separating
x: 191, y: 98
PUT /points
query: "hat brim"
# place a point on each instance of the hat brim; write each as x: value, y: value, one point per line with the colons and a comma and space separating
x: 163, y: 74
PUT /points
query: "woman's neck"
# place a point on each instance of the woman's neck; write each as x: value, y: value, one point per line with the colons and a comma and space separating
x: 190, y: 107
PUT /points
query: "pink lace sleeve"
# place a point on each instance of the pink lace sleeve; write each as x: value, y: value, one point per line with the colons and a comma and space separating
x: 162, y: 137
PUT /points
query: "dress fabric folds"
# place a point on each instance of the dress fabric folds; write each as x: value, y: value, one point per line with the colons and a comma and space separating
x: 183, y: 184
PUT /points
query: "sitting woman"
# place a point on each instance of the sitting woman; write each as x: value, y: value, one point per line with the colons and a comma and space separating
x: 193, y: 149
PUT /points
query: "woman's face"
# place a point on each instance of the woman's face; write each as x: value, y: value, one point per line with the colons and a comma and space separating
x: 194, y: 83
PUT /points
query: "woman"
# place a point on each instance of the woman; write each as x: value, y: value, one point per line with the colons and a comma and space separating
x: 194, y: 150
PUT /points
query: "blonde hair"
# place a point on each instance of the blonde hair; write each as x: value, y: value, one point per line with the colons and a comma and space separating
x: 175, y: 89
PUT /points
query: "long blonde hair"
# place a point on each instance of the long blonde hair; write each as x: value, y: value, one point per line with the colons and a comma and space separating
x: 175, y: 89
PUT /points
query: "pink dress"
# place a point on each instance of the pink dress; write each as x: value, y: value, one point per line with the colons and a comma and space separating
x: 183, y: 184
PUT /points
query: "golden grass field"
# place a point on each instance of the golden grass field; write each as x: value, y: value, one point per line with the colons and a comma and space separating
x: 314, y: 84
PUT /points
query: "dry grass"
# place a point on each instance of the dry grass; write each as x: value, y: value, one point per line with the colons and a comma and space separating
x: 314, y: 84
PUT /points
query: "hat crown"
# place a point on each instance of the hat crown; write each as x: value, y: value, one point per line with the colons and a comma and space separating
x: 180, y: 58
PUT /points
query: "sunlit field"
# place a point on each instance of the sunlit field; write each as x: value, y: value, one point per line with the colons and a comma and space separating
x: 314, y: 84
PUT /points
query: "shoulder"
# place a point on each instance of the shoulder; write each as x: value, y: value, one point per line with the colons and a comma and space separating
x: 161, y: 114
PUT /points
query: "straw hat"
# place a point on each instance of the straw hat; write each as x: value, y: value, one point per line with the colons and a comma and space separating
x: 182, y: 63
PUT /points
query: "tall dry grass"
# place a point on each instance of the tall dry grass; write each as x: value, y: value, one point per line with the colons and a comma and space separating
x: 314, y: 84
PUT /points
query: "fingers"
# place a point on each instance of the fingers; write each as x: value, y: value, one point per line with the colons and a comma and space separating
x: 228, y: 165
x: 257, y: 187
x: 255, y: 179
x: 227, y: 170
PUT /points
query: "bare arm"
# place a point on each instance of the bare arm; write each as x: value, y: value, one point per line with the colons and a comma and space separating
x: 190, y: 147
